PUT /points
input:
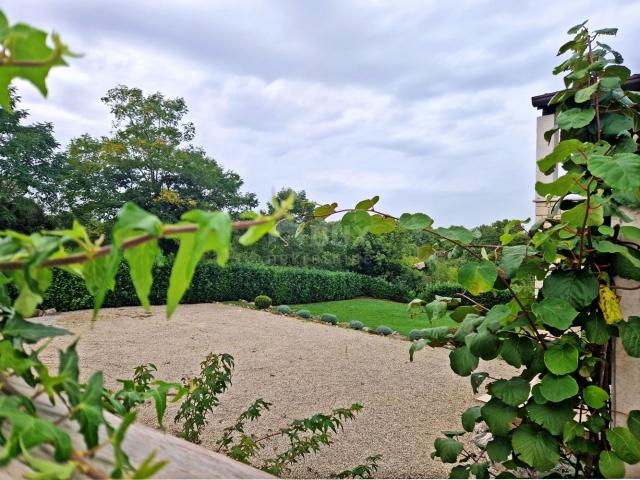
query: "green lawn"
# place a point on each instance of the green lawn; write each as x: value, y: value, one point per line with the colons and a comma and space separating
x: 373, y: 313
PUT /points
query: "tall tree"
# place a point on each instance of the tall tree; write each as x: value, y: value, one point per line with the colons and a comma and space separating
x: 147, y: 159
x: 30, y: 167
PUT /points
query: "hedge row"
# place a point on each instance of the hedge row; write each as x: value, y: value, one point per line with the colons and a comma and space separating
x: 236, y: 281
x: 450, y: 289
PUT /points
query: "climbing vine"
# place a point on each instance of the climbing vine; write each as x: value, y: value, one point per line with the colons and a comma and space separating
x: 554, y: 415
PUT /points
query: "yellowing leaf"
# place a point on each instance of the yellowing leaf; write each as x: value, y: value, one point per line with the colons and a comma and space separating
x: 609, y: 305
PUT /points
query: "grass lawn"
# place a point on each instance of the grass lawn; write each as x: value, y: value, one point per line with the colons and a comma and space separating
x: 373, y: 313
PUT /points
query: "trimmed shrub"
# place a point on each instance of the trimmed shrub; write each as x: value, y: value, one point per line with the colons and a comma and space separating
x: 304, y: 313
x: 384, y: 330
x: 262, y: 302
x: 356, y: 324
x: 284, y: 309
x: 211, y: 283
x: 450, y: 289
x: 329, y: 318
x: 416, y: 334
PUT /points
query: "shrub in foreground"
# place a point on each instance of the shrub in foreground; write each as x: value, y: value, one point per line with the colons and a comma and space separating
x: 262, y: 302
x: 416, y: 334
x: 304, y: 313
x: 356, y: 324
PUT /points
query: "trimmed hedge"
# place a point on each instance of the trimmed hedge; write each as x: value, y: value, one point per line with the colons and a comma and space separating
x: 450, y: 289
x: 211, y: 283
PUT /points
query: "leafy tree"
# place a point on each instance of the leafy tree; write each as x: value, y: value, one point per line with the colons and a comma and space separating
x: 30, y: 171
x: 302, y: 207
x: 147, y: 159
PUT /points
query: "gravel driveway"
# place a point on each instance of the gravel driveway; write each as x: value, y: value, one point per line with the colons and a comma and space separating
x: 301, y: 367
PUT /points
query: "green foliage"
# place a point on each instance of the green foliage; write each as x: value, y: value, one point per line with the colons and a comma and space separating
x: 356, y: 325
x: 283, y: 309
x: 303, y: 313
x: 452, y: 290
x: 204, y: 390
x: 329, y: 318
x: 262, y: 301
x: 384, y: 330
x: 416, y: 334
x: 211, y: 283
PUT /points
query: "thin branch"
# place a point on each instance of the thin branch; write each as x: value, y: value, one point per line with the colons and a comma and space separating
x: 126, y: 245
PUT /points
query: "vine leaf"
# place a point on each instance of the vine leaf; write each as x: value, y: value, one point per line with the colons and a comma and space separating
x: 535, y: 447
x: 477, y: 379
x: 459, y: 234
x: 633, y: 423
x: 560, y: 153
x: 462, y: 361
x: 597, y: 330
x: 561, y: 358
x: 624, y: 444
x: 551, y: 416
x: 213, y: 234
x: 621, y: 170
x: 448, y: 449
x: 381, y: 225
x: 499, y: 449
x: 499, y: 416
x: 470, y: 417
x: 578, y: 288
x: 555, y: 312
x: 595, y: 396
x: 141, y: 260
x: 575, y: 118
x: 356, y: 223
x: 575, y: 216
x: 484, y: 345
x: 558, y: 388
x: 415, y: 221
x: 610, y: 465
x: 630, y: 335
x: 513, y: 392
x: 21, y: 330
x: 478, y: 277
x: 517, y: 350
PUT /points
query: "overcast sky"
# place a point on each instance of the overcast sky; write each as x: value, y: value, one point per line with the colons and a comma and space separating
x: 425, y: 103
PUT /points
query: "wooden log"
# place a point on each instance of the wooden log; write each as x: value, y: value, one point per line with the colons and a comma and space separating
x: 186, y: 460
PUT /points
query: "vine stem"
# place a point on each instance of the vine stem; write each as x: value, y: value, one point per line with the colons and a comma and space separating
x: 126, y: 245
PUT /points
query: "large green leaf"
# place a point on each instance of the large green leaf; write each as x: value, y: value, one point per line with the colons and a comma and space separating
x: 561, y: 358
x: 13, y: 359
x: 579, y: 288
x: 367, y: 203
x: 552, y: 416
x: 595, y: 397
x: 478, y: 277
x: 141, y: 260
x: 213, y: 234
x: 477, y: 379
x: 630, y: 336
x: 498, y: 416
x: 624, y: 444
x: 555, y: 312
x: 499, y: 449
x: 381, y: 224
x: 356, y: 223
x: 575, y: 118
x: 605, y: 246
x: 619, y: 171
x: 484, y: 344
x: 88, y: 411
x: 516, y: 350
x: 535, y: 447
x: 563, y: 185
x: 558, y: 388
x: 576, y: 216
x: 459, y: 234
x: 462, y: 361
x: 610, y: 465
x: 470, y: 417
x: 615, y: 124
x: 560, y: 153
x: 597, y: 330
x: 512, y: 258
x: 513, y: 392
x: 584, y: 94
x: 415, y: 221
x: 448, y: 449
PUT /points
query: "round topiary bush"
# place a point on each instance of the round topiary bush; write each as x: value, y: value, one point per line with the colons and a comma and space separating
x: 304, y: 313
x: 416, y: 334
x: 356, y: 324
x: 384, y: 330
x: 262, y: 302
x: 284, y: 309
x: 329, y: 318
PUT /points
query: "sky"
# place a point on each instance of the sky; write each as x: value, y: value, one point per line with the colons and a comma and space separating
x: 426, y: 103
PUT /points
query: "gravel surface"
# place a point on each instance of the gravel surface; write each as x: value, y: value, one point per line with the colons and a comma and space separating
x: 302, y: 367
